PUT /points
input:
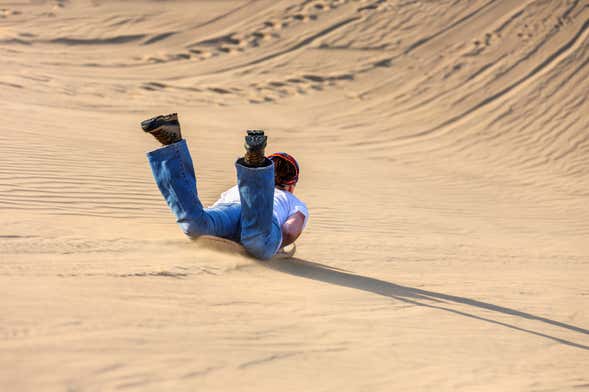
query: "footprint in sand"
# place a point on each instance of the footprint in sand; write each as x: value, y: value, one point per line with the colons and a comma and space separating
x: 301, y: 85
x: 268, y: 31
x: 5, y: 13
x: 60, y: 3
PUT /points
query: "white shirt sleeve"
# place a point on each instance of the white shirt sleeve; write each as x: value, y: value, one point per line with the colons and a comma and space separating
x: 299, y: 206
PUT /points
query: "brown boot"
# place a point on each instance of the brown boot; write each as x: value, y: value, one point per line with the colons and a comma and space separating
x: 255, y: 143
x: 165, y: 128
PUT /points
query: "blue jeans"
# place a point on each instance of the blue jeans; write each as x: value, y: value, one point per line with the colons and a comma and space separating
x: 251, y: 223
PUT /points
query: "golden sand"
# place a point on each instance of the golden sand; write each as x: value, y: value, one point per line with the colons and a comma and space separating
x: 444, y: 153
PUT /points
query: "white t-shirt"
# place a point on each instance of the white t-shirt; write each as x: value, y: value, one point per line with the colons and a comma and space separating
x: 285, y: 203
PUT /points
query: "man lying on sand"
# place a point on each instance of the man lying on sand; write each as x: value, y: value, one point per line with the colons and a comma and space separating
x: 260, y: 212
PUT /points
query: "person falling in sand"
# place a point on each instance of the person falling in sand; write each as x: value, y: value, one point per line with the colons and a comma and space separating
x: 261, y: 212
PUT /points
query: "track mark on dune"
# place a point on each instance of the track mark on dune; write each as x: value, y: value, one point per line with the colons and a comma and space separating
x: 13, y: 85
x: 372, y: 6
x: 545, y: 66
x: 109, y: 368
x: 236, y: 42
x: 121, y: 39
x: 200, y: 373
x: 303, y: 43
x: 159, y: 37
x: 425, y: 40
x: 271, y: 358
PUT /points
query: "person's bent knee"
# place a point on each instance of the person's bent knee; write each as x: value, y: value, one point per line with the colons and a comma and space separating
x: 261, y: 253
x: 260, y: 248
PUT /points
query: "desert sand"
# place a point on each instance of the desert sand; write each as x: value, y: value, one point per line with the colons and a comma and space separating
x: 444, y: 148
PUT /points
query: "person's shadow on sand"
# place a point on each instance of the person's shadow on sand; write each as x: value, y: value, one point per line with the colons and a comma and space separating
x: 430, y: 299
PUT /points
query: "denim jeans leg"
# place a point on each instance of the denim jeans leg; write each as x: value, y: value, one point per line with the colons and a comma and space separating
x: 173, y: 172
x: 260, y: 232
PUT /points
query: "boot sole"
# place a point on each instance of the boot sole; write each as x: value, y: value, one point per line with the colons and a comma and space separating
x: 255, y: 142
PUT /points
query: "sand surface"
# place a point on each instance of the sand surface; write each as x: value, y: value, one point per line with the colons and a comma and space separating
x: 444, y: 148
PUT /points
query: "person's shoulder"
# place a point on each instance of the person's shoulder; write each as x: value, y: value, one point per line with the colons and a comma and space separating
x: 294, y: 197
x: 291, y: 198
x: 298, y: 205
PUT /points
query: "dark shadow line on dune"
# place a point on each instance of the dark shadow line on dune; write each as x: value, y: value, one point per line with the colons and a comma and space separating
x: 323, y: 273
x: 121, y: 39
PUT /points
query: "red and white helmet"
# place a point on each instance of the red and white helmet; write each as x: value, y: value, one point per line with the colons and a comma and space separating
x: 284, y: 157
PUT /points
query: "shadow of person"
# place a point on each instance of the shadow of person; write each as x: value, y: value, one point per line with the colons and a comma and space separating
x: 431, y: 299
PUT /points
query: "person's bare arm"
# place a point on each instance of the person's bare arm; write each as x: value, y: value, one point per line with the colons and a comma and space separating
x: 292, y: 228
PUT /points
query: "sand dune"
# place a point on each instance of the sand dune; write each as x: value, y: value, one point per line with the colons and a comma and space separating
x: 444, y: 160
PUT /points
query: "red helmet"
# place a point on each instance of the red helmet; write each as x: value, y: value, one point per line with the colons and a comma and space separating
x: 292, y: 177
